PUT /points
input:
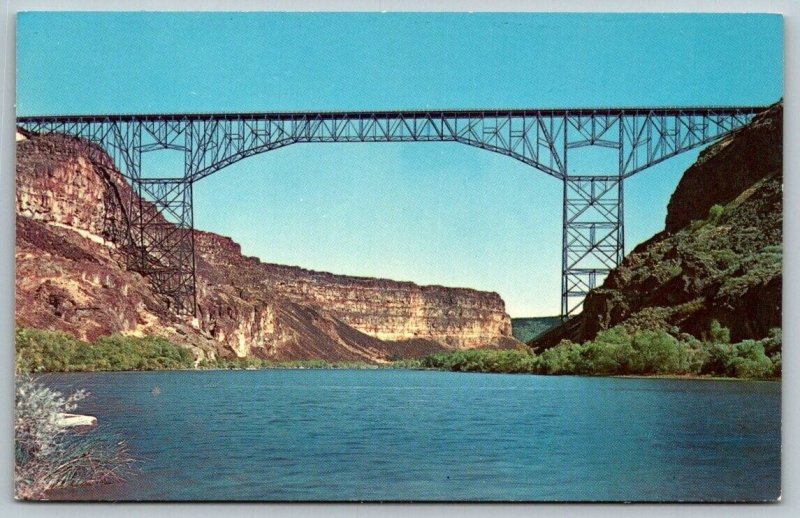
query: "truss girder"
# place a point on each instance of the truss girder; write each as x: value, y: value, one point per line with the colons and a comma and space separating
x: 649, y: 138
x: 593, y: 225
x: 540, y: 138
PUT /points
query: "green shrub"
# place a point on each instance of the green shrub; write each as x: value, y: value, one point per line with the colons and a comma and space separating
x: 750, y: 361
x: 715, y: 213
x: 696, y: 353
x: 408, y: 363
x: 565, y: 358
x: 719, y: 358
x: 618, y: 352
x: 725, y: 258
x: 776, y: 365
x: 719, y: 333
x: 774, y: 342
x: 656, y: 352
x: 674, y: 270
x: 746, y: 359
x: 610, y: 352
x: 512, y: 361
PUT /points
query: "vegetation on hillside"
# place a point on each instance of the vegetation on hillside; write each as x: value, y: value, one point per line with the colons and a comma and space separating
x: 526, y: 329
x: 618, y: 352
x: 725, y: 266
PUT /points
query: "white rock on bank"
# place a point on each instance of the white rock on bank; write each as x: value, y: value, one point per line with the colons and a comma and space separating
x: 71, y: 420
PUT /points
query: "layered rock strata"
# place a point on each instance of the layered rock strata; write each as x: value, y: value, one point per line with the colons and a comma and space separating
x: 71, y: 277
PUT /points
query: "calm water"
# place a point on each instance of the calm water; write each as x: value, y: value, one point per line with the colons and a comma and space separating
x: 411, y: 435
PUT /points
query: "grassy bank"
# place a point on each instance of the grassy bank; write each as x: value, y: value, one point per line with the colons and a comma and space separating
x: 47, y: 351
x: 615, y: 352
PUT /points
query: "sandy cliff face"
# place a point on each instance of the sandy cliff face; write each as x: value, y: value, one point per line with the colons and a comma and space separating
x: 720, y: 257
x: 70, y: 278
x: 384, y: 309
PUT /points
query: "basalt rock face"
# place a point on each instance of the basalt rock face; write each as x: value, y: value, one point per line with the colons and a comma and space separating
x: 388, y: 318
x: 725, y: 170
x: 67, y: 182
x: 68, y: 276
x: 719, y: 258
x: 71, y: 277
x: 388, y: 310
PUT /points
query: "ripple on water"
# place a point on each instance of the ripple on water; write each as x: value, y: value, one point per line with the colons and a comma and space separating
x: 418, y: 435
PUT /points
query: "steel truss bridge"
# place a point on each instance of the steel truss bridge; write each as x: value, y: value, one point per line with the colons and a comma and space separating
x: 159, y: 220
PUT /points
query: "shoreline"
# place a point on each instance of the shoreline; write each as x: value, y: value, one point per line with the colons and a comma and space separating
x: 689, y: 377
x: 679, y: 377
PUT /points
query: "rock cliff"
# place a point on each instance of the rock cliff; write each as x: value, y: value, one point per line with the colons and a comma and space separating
x: 719, y: 257
x: 70, y: 277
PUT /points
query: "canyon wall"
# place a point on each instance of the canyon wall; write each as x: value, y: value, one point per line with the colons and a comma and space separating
x: 71, y: 277
x: 388, y: 310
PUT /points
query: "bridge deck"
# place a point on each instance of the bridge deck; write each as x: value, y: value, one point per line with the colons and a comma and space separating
x: 356, y: 115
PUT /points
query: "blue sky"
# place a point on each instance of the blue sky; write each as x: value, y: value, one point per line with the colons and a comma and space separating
x: 432, y: 213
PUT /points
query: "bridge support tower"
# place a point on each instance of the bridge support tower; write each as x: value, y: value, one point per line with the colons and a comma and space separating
x: 593, y: 236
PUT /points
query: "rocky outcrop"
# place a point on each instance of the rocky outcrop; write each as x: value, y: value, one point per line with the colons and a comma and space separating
x: 71, y: 277
x: 72, y: 283
x: 725, y: 170
x: 720, y: 257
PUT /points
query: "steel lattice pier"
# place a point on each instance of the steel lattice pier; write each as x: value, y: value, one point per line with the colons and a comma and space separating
x: 159, y: 238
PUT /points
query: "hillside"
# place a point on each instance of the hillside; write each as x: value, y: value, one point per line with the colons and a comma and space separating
x: 526, y: 329
x: 719, y: 257
x: 71, y: 277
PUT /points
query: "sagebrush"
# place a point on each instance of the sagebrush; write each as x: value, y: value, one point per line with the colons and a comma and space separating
x: 48, y: 455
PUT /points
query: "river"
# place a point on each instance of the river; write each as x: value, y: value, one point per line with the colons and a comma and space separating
x: 400, y: 435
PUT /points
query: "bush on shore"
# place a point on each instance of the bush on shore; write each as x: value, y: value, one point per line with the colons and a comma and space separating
x: 483, y: 360
x: 619, y: 352
x: 48, y: 455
